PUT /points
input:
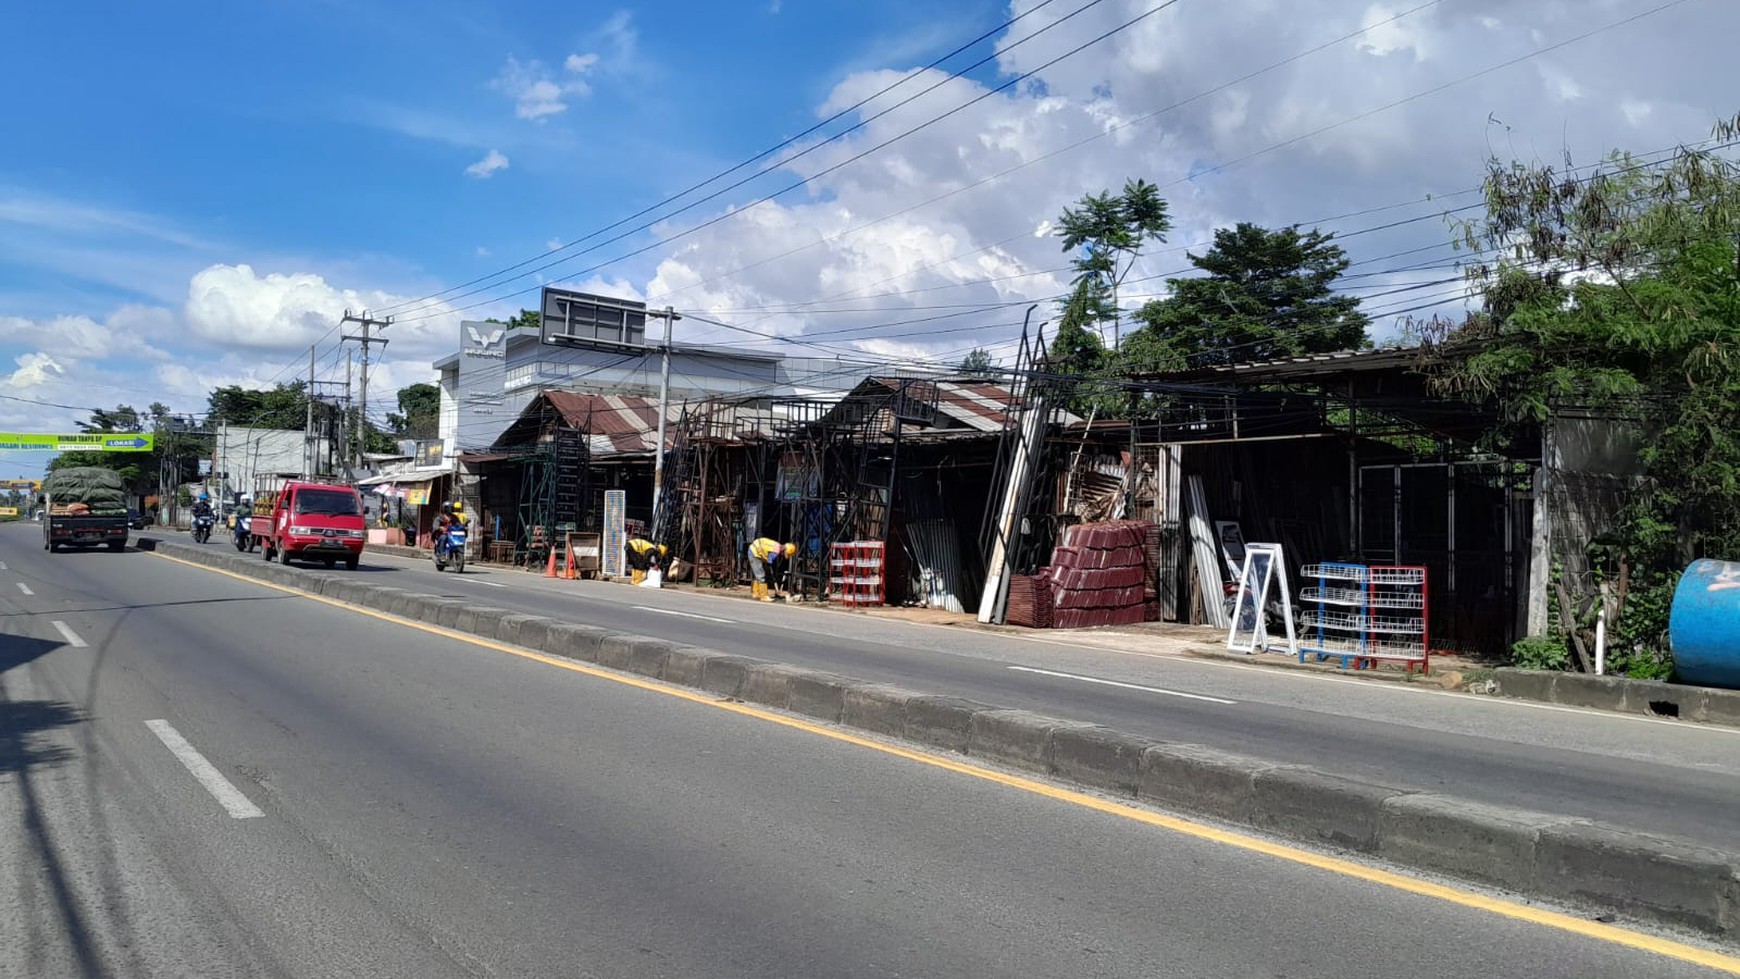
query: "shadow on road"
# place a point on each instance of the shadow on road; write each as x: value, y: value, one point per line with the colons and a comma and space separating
x: 23, y: 724
x: 23, y: 721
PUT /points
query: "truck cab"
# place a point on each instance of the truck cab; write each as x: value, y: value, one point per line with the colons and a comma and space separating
x: 314, y: 522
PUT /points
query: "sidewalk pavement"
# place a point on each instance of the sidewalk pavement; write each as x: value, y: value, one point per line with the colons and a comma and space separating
x: 1448, y: 671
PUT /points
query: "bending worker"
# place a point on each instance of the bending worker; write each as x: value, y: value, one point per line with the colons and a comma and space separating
x: 642, y: 556
x: 765, y: 553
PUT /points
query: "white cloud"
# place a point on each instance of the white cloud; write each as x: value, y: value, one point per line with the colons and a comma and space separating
x: 236, y: 307
x: 536, y: 92
x: 1559, y: 83
x: 552, y: 244
x: 126, y: 334
x: 620, y: 34
x: 487, y: 167
x: 1636, y: 111
x: 38, y: 210
x: 802, y: 264
x: 482, y: 252
x: 1386, y: 35
x: 35, y: 370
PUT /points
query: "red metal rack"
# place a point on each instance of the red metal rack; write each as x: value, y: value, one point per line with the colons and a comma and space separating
x: 858, y: 573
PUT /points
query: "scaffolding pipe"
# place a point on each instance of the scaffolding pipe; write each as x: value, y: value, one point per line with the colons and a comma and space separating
x: 994, y: 601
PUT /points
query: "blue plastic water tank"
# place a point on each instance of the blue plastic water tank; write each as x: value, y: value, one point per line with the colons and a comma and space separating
x: 1704, y: 625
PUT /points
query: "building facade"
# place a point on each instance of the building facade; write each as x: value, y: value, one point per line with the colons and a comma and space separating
x: 499, y: 369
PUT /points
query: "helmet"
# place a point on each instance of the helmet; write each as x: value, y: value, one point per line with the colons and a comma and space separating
x: 663, y: 550
x: 204, y: 495
x: 458, y: 506
x: 789, y: 550
x: 246, y: 499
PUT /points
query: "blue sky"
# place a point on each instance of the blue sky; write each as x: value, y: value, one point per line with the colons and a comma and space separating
x: 191, y: 196
x: 342, y: 131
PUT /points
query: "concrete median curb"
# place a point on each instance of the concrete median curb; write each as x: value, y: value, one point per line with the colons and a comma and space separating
x: 1574, y: 860
x: 1655, y: 698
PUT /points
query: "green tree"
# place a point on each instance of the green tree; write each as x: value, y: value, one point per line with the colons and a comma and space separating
x: 1266, y: 294
x: 137, y: 470
x: 123, y: 418
x: 1076, y: 352
x: 282, y: 406
x: 419, y: 412
x: 977, y: 363
x: 1620, y: 292
x: 526, y: 319
x: 1106, y: 234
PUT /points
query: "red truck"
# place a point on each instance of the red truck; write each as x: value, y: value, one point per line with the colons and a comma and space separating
x: 310, y: 522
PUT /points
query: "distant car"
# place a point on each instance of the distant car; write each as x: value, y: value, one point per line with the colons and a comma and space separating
x: 135, y: 519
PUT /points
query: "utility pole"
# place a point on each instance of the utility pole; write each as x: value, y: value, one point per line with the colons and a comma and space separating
x: 341, y: 427
x: 664, y: 408
x: 308, y: 452
x: 368, y: 323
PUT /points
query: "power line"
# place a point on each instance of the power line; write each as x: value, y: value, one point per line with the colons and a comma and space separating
x: 1164, y: 4
x: 1101, y: 134
x: 843, y: 113
x: 1431, y: 91
x: 786, y: 162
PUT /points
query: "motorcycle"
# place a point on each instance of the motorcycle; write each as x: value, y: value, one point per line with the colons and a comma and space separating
x: 244, y: 532
x: 202, y: 528
x: 450, y: 548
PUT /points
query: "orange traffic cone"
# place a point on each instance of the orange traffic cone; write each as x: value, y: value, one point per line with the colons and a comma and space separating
x: 550, y: 571
x: 572, y: 573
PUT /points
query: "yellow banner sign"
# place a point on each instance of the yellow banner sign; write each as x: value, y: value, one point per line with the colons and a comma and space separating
x: 8, y: 511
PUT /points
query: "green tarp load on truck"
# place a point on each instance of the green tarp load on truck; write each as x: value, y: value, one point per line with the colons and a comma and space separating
x: 98, y: 488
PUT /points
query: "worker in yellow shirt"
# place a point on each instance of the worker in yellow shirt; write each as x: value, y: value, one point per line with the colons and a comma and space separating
x: 764, y: 555
x: 642, y: 556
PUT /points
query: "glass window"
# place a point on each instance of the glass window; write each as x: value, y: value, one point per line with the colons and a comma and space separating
x: 330, y: 503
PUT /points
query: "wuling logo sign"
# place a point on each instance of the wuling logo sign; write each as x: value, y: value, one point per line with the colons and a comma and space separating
x: 486, y: 342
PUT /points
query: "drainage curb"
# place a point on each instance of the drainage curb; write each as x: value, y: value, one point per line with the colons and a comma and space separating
x: 1656, y: 879
x: 1656, y: 698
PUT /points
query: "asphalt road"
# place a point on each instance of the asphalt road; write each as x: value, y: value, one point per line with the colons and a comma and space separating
x: 201, y: 776
x: 1652, y: 775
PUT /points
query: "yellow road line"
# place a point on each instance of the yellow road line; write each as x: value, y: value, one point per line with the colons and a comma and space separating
x: 1346, y: 868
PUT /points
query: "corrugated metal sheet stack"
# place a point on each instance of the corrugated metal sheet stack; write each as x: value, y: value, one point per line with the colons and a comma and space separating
x: 1151, y: 553
x: 1030, y: 601
x: 1103, y: 574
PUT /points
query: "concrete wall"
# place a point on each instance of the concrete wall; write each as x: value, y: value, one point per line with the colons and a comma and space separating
x: 500, y: 371
x: 243, y: 452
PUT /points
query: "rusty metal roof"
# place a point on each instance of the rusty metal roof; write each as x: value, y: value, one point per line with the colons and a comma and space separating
x: 974, y: 403
x: 1308, y: 367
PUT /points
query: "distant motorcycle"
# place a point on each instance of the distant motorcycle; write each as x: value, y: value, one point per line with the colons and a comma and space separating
x: 202, y: 528
x: 450, y: 549
x: 244, y: 532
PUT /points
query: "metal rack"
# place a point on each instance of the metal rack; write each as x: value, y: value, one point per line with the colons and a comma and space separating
x: 1360, y: 615
x: 859, y: 574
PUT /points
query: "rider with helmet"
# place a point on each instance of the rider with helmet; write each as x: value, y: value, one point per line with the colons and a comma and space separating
x: 452, y: 515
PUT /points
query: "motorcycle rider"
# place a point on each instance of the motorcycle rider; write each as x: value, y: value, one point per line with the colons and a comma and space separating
x: 244, y: 516
x: 202, y: 508
x: 452, y: 515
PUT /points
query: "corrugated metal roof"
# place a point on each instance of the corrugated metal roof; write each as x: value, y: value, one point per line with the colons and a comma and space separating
x: 978, y: 404
x: 626, y: 424
x: 1304, y: 367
